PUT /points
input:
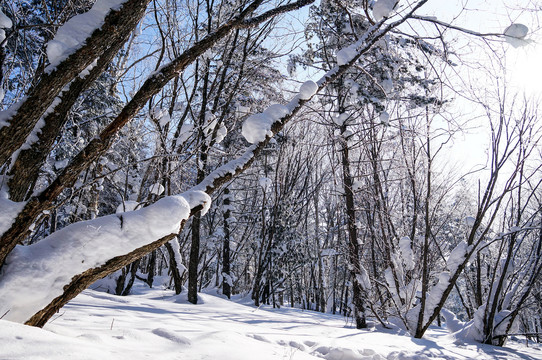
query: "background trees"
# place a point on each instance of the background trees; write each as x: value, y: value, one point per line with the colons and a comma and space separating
x: 348, y: 209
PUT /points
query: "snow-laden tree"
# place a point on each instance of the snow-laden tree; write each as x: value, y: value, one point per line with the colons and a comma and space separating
x: 72, y: 56
x: 131, y: 111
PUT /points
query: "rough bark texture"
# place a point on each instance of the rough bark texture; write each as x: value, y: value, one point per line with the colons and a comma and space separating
x: 51, y: 84
x: 194, y: 260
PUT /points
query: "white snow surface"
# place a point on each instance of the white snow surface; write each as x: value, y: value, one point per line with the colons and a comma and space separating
x: 73, y: 34
x: 383, y: 9
x: 156, y: 324
x: 31, y: 277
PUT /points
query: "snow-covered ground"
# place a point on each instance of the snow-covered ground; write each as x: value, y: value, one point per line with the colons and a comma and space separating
x: 158, y: 325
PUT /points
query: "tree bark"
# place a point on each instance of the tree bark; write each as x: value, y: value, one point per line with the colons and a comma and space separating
x: 353, y: 244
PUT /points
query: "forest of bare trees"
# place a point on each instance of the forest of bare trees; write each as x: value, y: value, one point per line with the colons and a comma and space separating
x: 299, y: 152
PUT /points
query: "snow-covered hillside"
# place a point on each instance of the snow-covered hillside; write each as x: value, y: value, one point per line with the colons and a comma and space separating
x: 158, y: 325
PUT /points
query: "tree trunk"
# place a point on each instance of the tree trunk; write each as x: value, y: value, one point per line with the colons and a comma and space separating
x: 353, y: 245
x: 174, y: 269
x: 194, y: 260
x: 226, y: 288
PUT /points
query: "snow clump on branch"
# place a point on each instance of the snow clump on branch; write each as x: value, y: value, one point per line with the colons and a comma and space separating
x: 257, y: 126
x: 383, y: 8
x: 307, y: 90
x: 515, y: 35
x: 32, y: 272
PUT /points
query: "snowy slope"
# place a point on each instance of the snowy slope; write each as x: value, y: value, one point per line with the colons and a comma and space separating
x: 155, y: 324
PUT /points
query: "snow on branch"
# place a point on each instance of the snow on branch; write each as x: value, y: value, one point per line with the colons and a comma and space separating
x: 71, y: 36
x: 34, y: 275
x: 514, y: 34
